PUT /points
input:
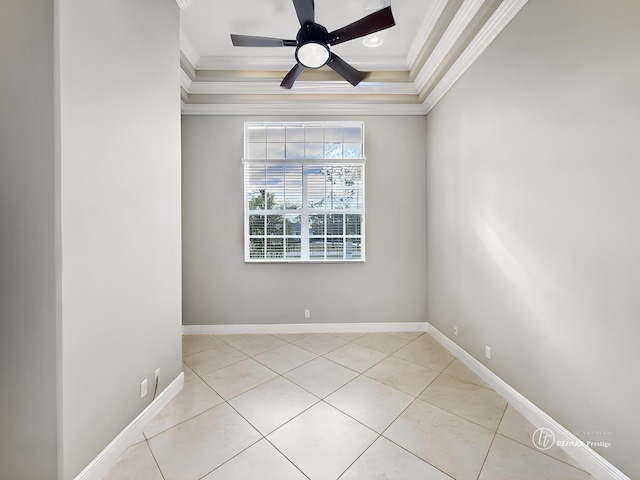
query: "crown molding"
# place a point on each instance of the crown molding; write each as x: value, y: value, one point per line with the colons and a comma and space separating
x: 503, y: 15
x: 188, y: 50
x: 185, y: 81
x: 284, y: 64
x: 320, y: 108
x: 426, y: 27
x: 460, y: 21
x: 300, y: 88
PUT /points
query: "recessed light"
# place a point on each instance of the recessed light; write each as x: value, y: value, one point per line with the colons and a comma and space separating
x: 372, y: 42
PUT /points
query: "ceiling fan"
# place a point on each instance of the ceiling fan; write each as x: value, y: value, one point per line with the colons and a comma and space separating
x: 313, y: 42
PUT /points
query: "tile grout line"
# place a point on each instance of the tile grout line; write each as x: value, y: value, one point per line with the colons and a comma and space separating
x: 322, y: 399
x: 319, y: 399
x: 543, y: 452
x: 231, y: 458
x: 155, y: 459
x: 359, y: 374
x: 418, y: 457
x: 484, y: 461
x: 380, y: 434
x: 283, y: 454
x: 358, y: 457
x: 262, y: 436
x: 457, y: 415
x: 396, y: 419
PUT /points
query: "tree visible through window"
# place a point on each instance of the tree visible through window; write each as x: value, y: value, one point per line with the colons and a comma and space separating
x: 304, y: 192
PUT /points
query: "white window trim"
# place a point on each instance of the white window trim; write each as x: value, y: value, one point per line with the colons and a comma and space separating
x: 305, y: 212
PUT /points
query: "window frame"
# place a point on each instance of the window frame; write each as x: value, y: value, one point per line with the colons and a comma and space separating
x: 305, y: 237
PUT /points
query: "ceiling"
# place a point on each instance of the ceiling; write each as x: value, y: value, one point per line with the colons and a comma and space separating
x: 423, y: 55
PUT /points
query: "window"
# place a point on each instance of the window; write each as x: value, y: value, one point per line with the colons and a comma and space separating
x: 304, y: 192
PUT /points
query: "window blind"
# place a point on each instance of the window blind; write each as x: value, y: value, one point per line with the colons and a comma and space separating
x: 304, y: 192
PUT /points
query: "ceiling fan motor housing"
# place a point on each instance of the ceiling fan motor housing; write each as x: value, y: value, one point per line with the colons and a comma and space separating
x: 313, y: 45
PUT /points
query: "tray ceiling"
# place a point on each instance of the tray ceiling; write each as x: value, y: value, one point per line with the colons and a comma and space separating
x: 429, y: 48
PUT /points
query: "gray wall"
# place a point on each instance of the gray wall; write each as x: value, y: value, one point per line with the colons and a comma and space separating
x: 28, y: 447
x: 533, y: 231
x: 120, y: 214
x: 219, y: 288
x: 90, y: 277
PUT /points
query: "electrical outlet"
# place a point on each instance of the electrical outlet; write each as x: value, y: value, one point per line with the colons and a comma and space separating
x: 455, y: 330
x: 487, y: 351
x: 143, y: 388
x: 156, y: 375
x: 307, y: 313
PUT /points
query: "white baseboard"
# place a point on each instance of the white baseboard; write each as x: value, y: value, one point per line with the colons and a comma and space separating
x: 282, y: 328
x: 108, y: 457
x: 591, y: 461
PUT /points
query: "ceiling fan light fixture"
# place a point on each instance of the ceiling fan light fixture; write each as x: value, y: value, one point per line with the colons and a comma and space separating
x: 313, y: 41
x: 313, y: 54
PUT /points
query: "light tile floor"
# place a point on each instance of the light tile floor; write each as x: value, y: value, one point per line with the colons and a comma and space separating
x: 342, y: 406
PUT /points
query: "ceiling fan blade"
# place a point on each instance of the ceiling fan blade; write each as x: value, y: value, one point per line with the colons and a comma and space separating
x: 346, y: 71
x: 370, y: 24
x: 251, y: 41
x: 305, y: 10
x: 292, y: 76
